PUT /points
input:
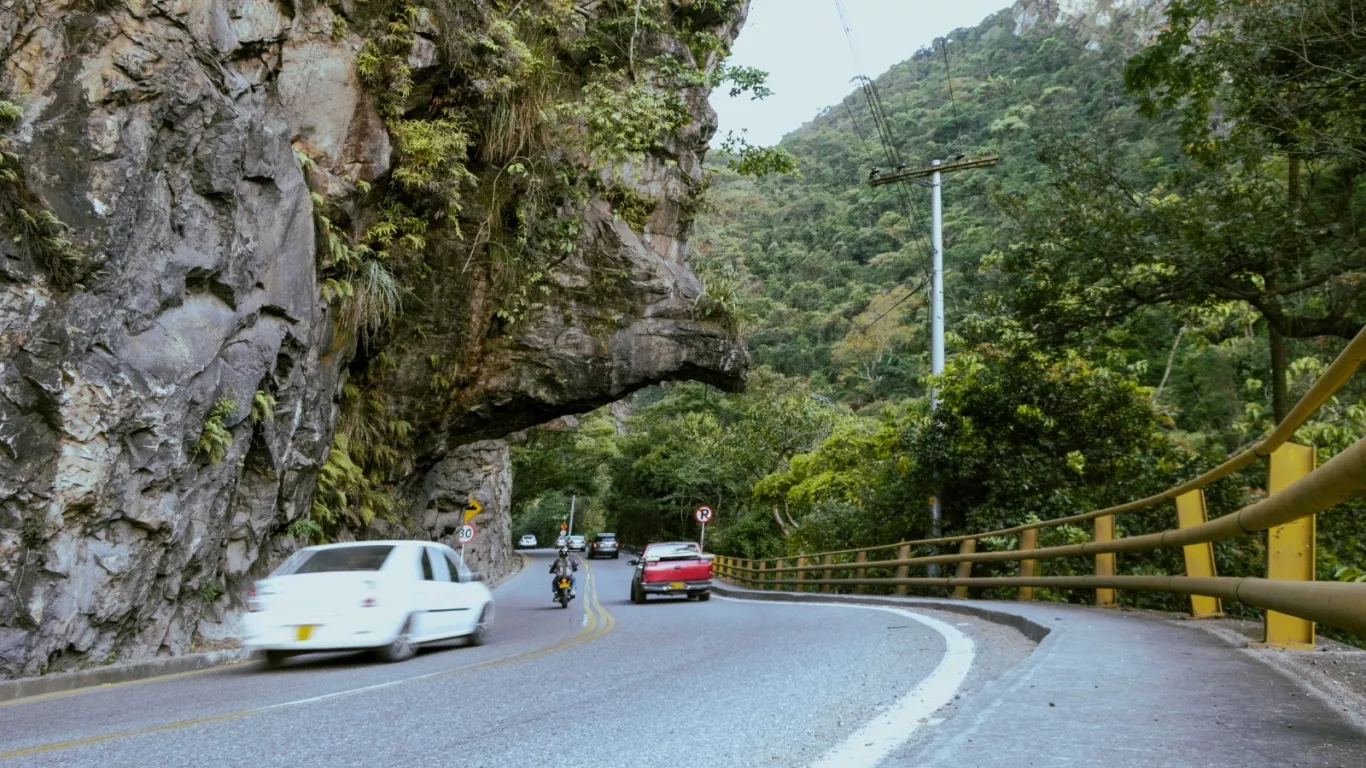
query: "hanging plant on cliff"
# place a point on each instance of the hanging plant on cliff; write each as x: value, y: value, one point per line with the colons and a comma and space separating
x: 27, y: 222
x: 214, y: 438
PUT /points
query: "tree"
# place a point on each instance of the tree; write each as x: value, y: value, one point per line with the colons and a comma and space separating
x: 1104, y: 240
x: 1257, y: 84
x: 876, y: 333
x: 1021, y: 431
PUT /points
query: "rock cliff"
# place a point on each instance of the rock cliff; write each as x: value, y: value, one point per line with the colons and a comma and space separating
x: 1097, y: 21
x: 279, y: 271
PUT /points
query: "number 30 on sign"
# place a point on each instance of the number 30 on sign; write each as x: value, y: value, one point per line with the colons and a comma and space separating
x: 465, y: 533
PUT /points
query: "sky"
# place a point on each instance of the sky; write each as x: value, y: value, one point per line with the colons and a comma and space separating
x: 802, y: 46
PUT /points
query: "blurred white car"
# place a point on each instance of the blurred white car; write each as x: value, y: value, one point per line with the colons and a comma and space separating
x: 527, y: 541
x: 387, y: 596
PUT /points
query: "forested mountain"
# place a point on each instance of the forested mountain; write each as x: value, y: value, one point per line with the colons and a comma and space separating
x: 1166, y: 255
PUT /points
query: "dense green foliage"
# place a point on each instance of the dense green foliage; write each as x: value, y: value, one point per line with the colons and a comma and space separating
x: 1167, y: 255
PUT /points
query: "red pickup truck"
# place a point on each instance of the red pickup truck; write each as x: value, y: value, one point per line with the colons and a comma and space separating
x: 671, y: 568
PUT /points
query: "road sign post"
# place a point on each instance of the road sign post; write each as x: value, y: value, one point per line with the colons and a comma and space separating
x: 703, y: 515
x: 465, y: 534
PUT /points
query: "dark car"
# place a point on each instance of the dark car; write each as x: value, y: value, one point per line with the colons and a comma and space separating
x: 604, y: 545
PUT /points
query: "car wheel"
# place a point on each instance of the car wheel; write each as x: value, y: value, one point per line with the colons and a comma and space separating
x: 636, y: 596
x: 275, y: 659
x: 401, y: 647
x: 704, y: 596
x: 615, y: 556
x: 480, y: 635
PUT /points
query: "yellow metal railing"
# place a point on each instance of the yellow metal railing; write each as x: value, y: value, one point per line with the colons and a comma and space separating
x: 1297, y: 493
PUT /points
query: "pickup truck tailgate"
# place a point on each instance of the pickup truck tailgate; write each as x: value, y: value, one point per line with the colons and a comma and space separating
x: 678, y: 569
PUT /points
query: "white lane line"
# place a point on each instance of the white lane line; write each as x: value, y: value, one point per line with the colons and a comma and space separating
x: 895, y: 725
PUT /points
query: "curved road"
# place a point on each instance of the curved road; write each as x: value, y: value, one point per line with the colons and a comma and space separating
x: 722, y: 683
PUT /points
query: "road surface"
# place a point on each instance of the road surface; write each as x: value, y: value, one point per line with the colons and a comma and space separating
x: 605, y: 682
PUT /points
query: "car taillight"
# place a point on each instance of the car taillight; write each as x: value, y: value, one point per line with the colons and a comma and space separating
x: 253, y: 605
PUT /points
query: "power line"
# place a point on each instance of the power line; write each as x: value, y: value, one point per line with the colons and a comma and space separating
x: 887, y: 139
x: 854, y: 122
x: 953, y: 105
x: 917, y: 289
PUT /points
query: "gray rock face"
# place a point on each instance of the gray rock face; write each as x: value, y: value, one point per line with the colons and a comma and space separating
x: 1094, y: 20
x: 480, y: 471
x: 165, y: 134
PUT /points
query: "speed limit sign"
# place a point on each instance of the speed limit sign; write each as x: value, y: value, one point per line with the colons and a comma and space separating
x: 703, y: 515
x: 465, y: 533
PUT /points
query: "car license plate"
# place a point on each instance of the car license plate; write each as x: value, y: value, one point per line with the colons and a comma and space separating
x: 304, y: 632
x: 677, y: 585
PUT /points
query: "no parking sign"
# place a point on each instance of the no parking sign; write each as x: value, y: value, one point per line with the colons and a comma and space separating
x: 703, y: 515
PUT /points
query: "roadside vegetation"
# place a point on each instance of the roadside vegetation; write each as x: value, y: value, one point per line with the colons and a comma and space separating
x: 1169, y: 252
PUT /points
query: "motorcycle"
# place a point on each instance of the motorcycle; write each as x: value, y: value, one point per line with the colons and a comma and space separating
x: 562, y: 592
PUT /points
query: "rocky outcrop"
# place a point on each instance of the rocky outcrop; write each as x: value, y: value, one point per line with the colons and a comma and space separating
x: 482, y: 472
x: 1095, y: 21
x: 188, y: 147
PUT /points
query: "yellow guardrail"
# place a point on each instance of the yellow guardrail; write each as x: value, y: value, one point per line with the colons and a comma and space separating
x: 1298, y: 492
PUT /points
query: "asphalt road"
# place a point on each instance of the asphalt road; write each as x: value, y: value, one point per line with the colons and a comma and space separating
x: 669, y: 683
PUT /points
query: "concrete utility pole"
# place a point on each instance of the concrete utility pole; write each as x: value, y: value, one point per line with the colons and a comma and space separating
x: 572, y: 500
x: 935, y: 171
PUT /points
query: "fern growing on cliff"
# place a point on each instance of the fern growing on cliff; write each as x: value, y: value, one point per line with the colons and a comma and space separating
x: 262, y: 407
x: 215, y: 439
x: 28, y: 221
x: 305, y: 530
x: 430, y: 162
x: 345, y: 492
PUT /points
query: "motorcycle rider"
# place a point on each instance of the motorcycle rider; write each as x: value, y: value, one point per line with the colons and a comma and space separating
x: 564, y: 567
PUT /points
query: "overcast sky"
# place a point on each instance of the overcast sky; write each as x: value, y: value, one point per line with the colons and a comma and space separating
x: 801, y: 45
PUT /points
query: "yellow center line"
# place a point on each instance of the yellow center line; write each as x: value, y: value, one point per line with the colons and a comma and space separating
x: 591, y: 631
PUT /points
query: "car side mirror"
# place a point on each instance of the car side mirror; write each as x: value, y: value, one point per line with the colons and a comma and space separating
x: 633, y: 562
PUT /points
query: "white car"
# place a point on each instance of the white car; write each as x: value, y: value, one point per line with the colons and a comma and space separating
x: 527, y: 541
x: 386, y: 596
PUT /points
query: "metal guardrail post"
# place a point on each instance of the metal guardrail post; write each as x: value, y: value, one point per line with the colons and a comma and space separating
x: 1105, y: 562
x: 1028, y: 540
x: 861, y: 557
x: 902, y: 571
x: 1290, y: 547
x: 964, y: 567
x: 1190, y: 511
